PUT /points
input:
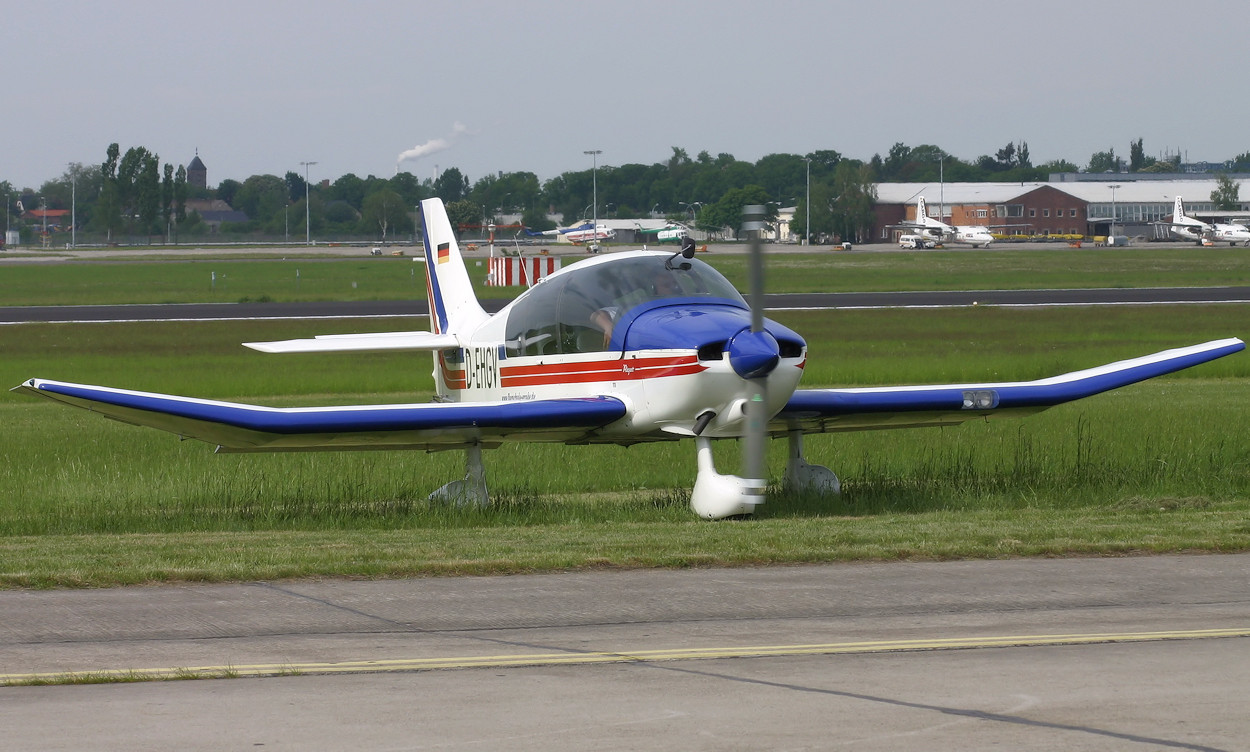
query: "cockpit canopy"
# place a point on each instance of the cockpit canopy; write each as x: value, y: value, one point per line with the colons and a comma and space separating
x: 574, y: 311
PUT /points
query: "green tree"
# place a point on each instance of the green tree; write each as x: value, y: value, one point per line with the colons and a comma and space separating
x: 1137, y: 159
x: 451, y: 185
x: 1005, y: 158
x: 261, y: 197
x: 1103, y: 161
x: 464, y: 213
x: 180, y: 194
x: 536, y: 220
x: 349, y: 188
x: 295, y: 186
x: 386, y: 212
x: 856, y: 195
x: 725, y: 215
x: 409, y: 188
x: 1058, y: 165
x: 1225, y: 196
x: 892, y: 167
x: 228, y: 191
x: 167, y: 196
x: 108, y: 208
x: 148, y: 191
x: 821, y: 221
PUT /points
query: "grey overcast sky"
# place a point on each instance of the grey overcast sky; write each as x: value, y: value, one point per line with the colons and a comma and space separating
x: 263, y: 85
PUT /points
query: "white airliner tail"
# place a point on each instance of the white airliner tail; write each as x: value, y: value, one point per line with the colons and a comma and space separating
x: 1178, y: 211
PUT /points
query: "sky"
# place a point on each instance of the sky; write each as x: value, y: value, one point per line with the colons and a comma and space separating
x: 373, y: 87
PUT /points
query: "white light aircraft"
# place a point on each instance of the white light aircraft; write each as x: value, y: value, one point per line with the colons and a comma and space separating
x: 977, y: 236
x: 637, y: 346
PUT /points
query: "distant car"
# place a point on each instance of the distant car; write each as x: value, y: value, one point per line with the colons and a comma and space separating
x: 915, y: 241
x: 375, y: 251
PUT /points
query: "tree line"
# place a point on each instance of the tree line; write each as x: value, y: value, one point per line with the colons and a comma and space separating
x: 130, y: 196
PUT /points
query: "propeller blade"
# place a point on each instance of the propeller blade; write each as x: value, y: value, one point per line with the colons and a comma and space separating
x: 756, y: 360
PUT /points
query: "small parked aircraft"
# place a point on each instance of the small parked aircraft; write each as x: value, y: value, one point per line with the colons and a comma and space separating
x: 635, y: 346
x: 977, y: 236
x: 1185, y: 227
x: 587, y: 233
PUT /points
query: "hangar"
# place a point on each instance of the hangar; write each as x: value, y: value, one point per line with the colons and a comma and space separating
x: 1086, y: 207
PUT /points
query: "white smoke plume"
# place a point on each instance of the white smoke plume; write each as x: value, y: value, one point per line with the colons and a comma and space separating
x: 433, y: 146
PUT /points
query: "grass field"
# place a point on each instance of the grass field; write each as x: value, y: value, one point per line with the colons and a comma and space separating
x: 207, y: 280
x: 1160, y: 466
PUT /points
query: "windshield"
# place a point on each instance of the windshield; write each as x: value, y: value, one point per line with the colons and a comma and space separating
x: 576, y: 311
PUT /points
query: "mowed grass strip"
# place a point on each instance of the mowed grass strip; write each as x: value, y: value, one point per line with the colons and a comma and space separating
x: 1160, y: 466
x: 230, y: 280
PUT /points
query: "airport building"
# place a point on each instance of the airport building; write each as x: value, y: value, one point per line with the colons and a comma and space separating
x: 1087, y: 207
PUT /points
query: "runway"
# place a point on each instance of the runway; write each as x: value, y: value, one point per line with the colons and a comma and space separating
x: 1088, y: 654
x: 792, y: 301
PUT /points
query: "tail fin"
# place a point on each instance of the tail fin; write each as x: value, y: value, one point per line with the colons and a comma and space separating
x: 1178, y: 211
x: 453, y: 305
x: 921, y: 213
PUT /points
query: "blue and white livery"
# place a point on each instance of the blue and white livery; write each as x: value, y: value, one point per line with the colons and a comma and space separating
x: 632, y: 347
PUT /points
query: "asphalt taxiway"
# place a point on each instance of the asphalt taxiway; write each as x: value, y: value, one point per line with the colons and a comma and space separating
x: 1087, y: 654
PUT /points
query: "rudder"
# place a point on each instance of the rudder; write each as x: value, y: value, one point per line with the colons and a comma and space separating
x: 453, y: 305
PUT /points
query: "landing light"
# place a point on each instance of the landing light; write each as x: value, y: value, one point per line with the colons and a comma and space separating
x: 980, y: 399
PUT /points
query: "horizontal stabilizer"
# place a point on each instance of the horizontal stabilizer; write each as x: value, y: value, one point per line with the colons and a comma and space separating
x: 377, y: 342
x: 826, y: 410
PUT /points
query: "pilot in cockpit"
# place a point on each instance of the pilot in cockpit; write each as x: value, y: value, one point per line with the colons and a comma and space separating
x: 662, y: 284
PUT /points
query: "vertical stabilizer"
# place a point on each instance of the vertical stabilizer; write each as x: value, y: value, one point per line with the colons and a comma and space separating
x: 453, y: 305
x: 921, y: 213
x: 1178, y: 211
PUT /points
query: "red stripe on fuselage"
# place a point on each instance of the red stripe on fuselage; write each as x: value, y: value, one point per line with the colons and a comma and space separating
x: 584, y: 372
x: 616, y: 370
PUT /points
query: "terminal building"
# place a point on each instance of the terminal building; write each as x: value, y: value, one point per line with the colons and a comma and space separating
x: 1129, y: 201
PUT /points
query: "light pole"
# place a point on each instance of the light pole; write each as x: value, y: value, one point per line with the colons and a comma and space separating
x: 73, y: 207
x: 594, y: 182
x: 1113, y: 186
x: 807, y: 233
x: 307, y: 226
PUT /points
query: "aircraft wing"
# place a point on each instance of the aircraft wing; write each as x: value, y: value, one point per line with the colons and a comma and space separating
x: 829, y: 410
x: 251, y: 428
x: 375, y: 342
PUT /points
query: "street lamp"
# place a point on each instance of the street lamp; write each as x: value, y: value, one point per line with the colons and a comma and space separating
x: 307, y: 226
x: 594, y: 182
x: 807, y: 234
x: 73, y: 207
x: 1113, y: 186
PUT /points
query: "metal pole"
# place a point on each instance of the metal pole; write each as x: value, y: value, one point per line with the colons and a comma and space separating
x: 307, y: 215
x: 1113, y: 186
x: 594, y: 181
x: 807, y: 234
x: 73, y: 209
